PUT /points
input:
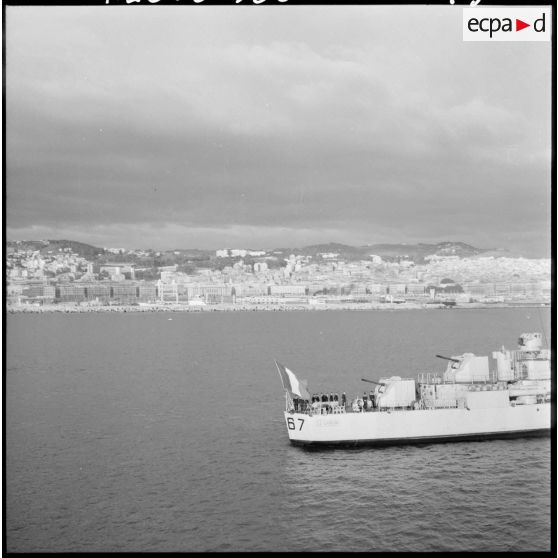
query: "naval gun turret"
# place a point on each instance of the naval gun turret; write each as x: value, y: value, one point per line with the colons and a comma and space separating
x: 394, y: 392
x: 466, y: 368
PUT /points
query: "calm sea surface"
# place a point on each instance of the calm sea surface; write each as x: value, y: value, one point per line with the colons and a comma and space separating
x: 138, y: 432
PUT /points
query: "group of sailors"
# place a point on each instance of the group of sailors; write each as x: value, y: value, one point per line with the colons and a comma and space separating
x: 325, y: 398
x: 326, y: 402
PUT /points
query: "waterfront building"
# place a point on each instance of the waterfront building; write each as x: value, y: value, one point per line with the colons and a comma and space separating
x: 249, y: 289
x: 502, y: 289
x: 397, y: 288
x: 98, y: 292
x: 70, y: 293
x: 286, y: 290
x: 124, y: 294
x: 167, y: 292
x: 119, y: 270
x: 147, y: 292
x: 212, y: 293
x: 376, y: 288
x: 416, y: 289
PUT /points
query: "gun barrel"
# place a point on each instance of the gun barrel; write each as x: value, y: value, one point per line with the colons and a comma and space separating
x: 372, y: 382
x: 448, y: 358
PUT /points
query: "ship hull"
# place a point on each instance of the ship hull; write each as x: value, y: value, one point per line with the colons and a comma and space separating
x: 417, y: 426
x: 542, y: 433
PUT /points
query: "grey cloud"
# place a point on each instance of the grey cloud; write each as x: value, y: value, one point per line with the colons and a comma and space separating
x: 326, y: 125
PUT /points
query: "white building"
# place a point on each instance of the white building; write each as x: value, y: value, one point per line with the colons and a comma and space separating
x: 282, y: 290
x: 260, y: 267
x: 256, y: 253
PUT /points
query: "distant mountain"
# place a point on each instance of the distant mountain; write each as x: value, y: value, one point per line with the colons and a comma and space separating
x: 332, y: 247
x: 417, y: 252
x: 190, y: 252
x: 52, y: 246
x: 389, y: 252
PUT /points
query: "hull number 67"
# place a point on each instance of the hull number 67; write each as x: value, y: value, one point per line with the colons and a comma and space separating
x: 291, y: 423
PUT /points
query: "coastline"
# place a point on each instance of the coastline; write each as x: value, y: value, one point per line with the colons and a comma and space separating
x: 362, y: 306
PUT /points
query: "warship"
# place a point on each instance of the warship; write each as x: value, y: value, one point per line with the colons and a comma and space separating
x: 467, y: 401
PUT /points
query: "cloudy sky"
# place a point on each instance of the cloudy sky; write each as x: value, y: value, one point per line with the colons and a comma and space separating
x: 195, y: 126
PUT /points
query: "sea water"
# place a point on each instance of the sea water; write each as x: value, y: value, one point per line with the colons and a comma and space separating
x: 136, y: 432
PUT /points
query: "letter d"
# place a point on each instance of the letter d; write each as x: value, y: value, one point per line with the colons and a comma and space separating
x: 540, y: 20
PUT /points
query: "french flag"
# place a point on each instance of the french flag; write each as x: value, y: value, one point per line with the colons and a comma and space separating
x: 291, y: 383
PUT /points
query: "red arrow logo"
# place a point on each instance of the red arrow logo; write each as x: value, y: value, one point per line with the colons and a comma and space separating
x: 519, y: 25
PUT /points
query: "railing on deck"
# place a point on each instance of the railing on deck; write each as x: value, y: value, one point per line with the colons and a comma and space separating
x: 333, y: 408
x: 319, y: 408
x: 348, y: 409
x: 436, y: 378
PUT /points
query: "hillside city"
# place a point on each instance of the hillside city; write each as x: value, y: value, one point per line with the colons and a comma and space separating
x: 63, y: 275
